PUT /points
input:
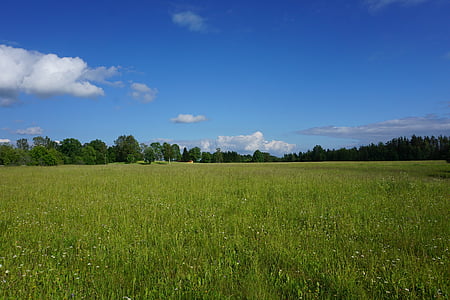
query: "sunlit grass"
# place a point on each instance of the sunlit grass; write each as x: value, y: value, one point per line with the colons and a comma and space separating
x: 259, y: 231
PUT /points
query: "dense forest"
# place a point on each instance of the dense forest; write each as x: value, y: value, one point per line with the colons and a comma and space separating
x: 45, y: 152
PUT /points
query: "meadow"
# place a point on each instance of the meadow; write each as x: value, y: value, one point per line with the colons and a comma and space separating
x: 226, y: 231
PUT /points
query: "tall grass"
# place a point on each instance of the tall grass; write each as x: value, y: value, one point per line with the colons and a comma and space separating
x: 258, y: 231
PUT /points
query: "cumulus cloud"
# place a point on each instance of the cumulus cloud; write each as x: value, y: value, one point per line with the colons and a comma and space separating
x: 383, y: 131
x: 143, y: 93
x: 375, y: 5
x: 253, y: 142
x: 190, y: 20
x: 5, y: 141
x: 47, y: 75
x: 30, y: 131
x: 243, y: 144
x: 187, y: 118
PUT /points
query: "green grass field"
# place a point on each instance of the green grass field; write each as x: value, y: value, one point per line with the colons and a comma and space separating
x: 217, y: 231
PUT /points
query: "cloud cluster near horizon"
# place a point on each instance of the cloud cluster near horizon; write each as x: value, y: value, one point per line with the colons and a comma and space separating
x: 243, y: 144
x: 47, y: 75
x: 188, y: 118
x: 383, y: 131
x: 253, y: 142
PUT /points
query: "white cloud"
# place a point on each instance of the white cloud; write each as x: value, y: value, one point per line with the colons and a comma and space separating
x: 101, y: 73
x: 375, y: 5
x: 383, y: 131
x: 243, y: 144
x: 253, y: 142
x: 5, y: 141
x: 140, y: 87
x: 207, y: 145
x: 190, y: 20
x: 30, y: 131
x: 47, y: 75
x: 143, y: 93
x: 187, y: 118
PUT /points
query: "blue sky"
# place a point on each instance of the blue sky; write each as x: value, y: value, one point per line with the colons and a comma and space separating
x: 279, y: 76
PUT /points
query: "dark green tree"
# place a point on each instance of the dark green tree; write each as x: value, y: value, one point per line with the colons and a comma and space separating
x: 318, y: 153
x: 131, y: 159
x: 72, y: 150
x: 41, y: 156
x: 112, y: 154
x: 101, y: 151
x: 127, y: 145
x: 268, y: 157
x: 89, y: 155
x: 185, y: 156
x: 149, y: 155
x: 258, y: 156
x: 206, y: 157
x: 195, y: 154
x: 8, y: 155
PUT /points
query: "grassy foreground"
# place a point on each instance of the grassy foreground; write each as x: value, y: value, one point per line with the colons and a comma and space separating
x: 255, y: 231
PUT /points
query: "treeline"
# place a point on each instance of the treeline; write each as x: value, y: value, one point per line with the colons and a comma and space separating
x: 415, y: 148
x: 45, y: 152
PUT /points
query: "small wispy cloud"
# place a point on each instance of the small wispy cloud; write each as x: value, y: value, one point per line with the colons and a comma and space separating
x: 376, y: 5
x: 191, y: 20
x: 5, y: 141
x: 143, y: 93
x: 188, y: 118
x: 30, y: 131
x: 101, y: 73
x: 383, y: 131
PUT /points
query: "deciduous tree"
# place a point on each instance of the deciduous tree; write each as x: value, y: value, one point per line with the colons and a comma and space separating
x: 71, y: 148
x: 195, y: 154
x: 158, y: 150
x: 127, y: 145
x: 149, y: 155
x: 23, y: 144
x: 258, y: 156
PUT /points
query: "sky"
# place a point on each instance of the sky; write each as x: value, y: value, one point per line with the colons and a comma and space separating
x: 279, y: 76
